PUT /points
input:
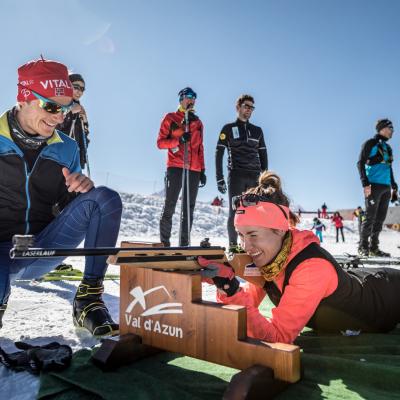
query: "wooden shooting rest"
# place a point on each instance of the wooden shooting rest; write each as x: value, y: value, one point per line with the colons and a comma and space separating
x: 163, y: 309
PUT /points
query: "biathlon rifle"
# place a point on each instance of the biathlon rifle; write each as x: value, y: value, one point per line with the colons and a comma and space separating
x: 165, y: 258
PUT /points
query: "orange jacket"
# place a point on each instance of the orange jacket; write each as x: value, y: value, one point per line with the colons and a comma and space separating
x: 307, y: 286
x: 169, y: 139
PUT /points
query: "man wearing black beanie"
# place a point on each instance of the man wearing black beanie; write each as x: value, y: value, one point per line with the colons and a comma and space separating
x: 376, y: 174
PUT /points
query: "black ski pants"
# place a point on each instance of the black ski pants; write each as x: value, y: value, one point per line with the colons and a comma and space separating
x: 173, y: 186
x: 337, y: 234
x: 238, y: 182
x: 376, y: 206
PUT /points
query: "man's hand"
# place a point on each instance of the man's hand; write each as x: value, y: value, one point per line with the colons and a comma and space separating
x: 221, y: 186
x: 203, y: 178
x: 77, y: 182
x: 395, y: 196
x: 82, y: 115
x: 176, y: 130
x: 367, y: 191
x: 77, y: 108
x: 185, y: 137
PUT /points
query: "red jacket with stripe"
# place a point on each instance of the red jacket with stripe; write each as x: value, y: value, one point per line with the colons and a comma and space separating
x: 168, y: 138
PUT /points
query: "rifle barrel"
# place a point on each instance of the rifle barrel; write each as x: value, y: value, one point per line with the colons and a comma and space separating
x: 31, y: 252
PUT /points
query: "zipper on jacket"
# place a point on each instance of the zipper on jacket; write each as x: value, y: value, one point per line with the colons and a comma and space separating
x: 28, y: 199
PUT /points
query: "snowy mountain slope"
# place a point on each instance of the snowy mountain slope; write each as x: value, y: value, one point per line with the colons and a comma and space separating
x: 141, y: 216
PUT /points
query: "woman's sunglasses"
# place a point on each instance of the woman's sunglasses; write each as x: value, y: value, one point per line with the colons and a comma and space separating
x: 247, y: 200
x: 78, y: 87
x: 51, y: 106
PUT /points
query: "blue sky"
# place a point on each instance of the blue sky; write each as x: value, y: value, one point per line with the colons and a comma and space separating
x: 322, y: 72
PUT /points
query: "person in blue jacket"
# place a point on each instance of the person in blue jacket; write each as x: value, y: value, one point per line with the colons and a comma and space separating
x: 44, y: 193
x: 318, y: 226
x: 379, y: 186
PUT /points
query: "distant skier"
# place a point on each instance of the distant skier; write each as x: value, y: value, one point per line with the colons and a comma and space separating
x: 337, y: 219
x: 376, y: 174
x: 318, y: 226
x: 324, y: 214
x: 216, y: 202
x: 359, y: 213
x: 172, y: 137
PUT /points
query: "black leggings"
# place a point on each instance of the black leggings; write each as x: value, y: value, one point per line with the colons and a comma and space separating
x: 376, y: 206
x: 173, y: 186
x: 337, y: 234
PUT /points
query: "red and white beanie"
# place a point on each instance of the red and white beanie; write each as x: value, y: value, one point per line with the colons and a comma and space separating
x: 46, y: 77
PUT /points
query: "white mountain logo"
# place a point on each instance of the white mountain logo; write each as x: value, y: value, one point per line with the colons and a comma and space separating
x: 163, y: 308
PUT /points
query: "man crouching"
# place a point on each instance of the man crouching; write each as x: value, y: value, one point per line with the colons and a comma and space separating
x: 44, y: 193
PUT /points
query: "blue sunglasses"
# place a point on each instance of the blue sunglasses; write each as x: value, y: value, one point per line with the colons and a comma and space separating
x: 188, y: 96
x: 51, y: 106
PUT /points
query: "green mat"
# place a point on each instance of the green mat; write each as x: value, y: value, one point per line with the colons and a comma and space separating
x: 70, y: 275
x: 334, y: 367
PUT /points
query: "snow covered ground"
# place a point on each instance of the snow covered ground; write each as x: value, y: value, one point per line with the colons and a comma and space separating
x: 41, y: 312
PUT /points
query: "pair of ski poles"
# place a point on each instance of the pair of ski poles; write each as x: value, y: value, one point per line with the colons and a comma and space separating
x: 84, y: 140
x: 185, y: 181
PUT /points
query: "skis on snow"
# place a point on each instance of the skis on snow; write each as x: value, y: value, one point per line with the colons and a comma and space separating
x: 354, y: 261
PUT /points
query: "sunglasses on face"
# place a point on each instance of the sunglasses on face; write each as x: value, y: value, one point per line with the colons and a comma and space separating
x: 247, y: 200
x: 78, y: 87
x: 252, y: 199
x: 248, y: 107
x: 51, y: 106
x: 189, y: 96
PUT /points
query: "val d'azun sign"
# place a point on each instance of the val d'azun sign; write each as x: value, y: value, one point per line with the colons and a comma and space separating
x: 164, y: 307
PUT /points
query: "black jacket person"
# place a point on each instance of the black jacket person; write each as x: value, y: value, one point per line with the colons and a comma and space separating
x: 247, y: 156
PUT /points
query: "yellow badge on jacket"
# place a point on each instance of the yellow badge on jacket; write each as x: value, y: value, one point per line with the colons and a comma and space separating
x: 222, y: 136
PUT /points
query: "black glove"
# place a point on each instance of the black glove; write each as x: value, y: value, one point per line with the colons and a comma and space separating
x: 395, y: 196
x: 203, y: 179
x: 185, y: 137
x: 229, y: 286
x: 34, y: 359
x: 221, y: 186
x: 221, y: 275
x: 174, y: 126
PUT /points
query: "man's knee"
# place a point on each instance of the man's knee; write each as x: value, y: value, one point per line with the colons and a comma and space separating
x: 103, y: 194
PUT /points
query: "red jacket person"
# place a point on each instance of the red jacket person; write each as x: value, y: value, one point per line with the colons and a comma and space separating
x: 172, y: 136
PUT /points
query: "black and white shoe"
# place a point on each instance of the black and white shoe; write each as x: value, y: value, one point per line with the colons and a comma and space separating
x: 363, y: 251
x: 378, y: 253
x: 90, y: 312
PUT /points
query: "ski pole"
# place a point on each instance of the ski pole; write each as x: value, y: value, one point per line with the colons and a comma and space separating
x: 72, y: 129
x: 84, y: 139
x: 185, y: 183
